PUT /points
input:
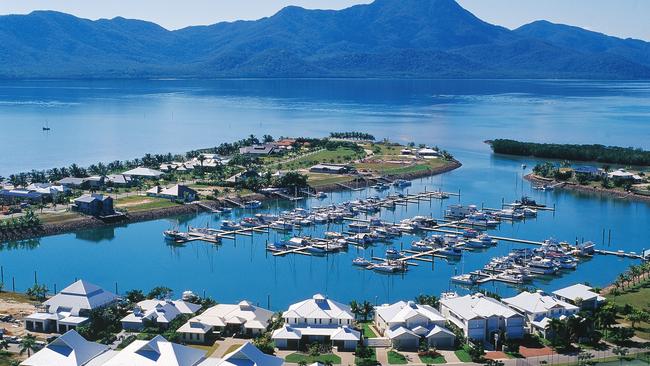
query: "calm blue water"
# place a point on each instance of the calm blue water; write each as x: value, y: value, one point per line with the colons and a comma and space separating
x: 108, y: 120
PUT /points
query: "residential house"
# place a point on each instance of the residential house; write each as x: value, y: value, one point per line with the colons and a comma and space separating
x: 157, y: 352
x: 21, y: 195
x: 243, y: 176
x: 539, y: 308
x: 285, y: 144
x: 177, y: 192
x: 480, y: 317
x: 330, y: 169
x: 72, y: 182
x: 119, y: 180
x: 94, y: 205
x: 243, y: 318
x: 70, y: 349
x: 318, y: 319
x: 587, y: 170
x: 406, y: 323
x: 144, y: 173
x: 580, y: 295
x: 624, y: 175
x: 157, y: 312
x: 258, y: 150
x: 69, y: 308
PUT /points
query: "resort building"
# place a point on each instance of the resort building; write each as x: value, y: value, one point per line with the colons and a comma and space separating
x: 285, y: 144
x: 177, y: 192
x: 21, y: 195
x: 406, y: 323
x: 226, y: 319
x: 539, y: 308
x: 480, y: 317
x: 258, y: 150
x: 428, y: 152
x: 318, y: 319
x: 580, y: 295
x: 157, y: 352
x: 94, y: 205
x: 141, y: 172
x: 69, y: 308
x: 70, y: 349
x: 330, y: 169
x: 157, y: 312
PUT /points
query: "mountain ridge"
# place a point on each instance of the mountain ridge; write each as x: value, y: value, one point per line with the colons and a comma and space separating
x: 387, y: 38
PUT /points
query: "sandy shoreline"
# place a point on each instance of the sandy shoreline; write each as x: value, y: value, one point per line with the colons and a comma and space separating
x: 86, y: 222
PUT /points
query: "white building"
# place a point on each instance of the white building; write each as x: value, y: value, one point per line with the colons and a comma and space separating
x: 158, y: 312
x: 70, y: 349
x: 580, y: 295
x: 69, y: 308
x: 428, y: 153
x: 318, y: 319
x: 157, y: 352
x: 406, y: 323
x: 246, y: 355
x: 539, y: 308
x: 480, y: 317
x: 243, y: 318
x: 141, y: 172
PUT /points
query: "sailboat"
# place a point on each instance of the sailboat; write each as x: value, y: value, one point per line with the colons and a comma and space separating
x: 47, y: 126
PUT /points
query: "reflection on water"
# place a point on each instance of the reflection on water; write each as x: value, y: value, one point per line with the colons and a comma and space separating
x: 456, y: 115
x: 27, y: 244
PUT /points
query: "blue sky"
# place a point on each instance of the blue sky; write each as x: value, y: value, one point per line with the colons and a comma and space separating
x: 623, y: 18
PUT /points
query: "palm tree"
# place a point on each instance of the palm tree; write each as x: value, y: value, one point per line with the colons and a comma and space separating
x: 201, y: 158
x: 4, y: 344
x: 355, y: 308
x: 634, y: 317
x: 28, y: 344
x: 367, y: 310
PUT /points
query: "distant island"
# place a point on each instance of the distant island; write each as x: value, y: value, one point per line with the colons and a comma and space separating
x: 387, y: 38
x: 572, y: 152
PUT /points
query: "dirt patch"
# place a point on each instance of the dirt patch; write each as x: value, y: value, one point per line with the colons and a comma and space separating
x: 533, y: 352
x: 17, y: 310
x: 495, y: 355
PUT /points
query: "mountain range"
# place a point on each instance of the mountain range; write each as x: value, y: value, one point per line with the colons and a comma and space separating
x: 387, y: 38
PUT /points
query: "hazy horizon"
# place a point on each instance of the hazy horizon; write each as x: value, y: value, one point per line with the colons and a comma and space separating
x: 624, y: 18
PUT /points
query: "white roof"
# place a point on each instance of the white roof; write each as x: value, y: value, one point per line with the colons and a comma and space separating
x: 438, y: 331
x: 477, y: 306
x: 162, y: 311
x: 157, y: 352
x: 400, y: 332
x: 336, y: 334
x: 319, y: 307
x: 143, y: 172
x: 70, y: 349
x: 402, y: 311
x: 80, y: 295
x: 537, y: 302
x: 578, y: 291
x: 245, y: 313
x: 246, y: 355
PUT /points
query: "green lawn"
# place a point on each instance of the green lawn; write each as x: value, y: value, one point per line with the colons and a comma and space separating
x: 5, y: 358
x: 297, y: 357
x: 395, y: 358
x: 210, y: 350
x: 394, y: 169
x: 637, y: 296
x: 319, y: 180
x: 341, y: 155
x: 143, y: 203
x: 367, y: 330
x: 463, y: 356
x: 433, y: 359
